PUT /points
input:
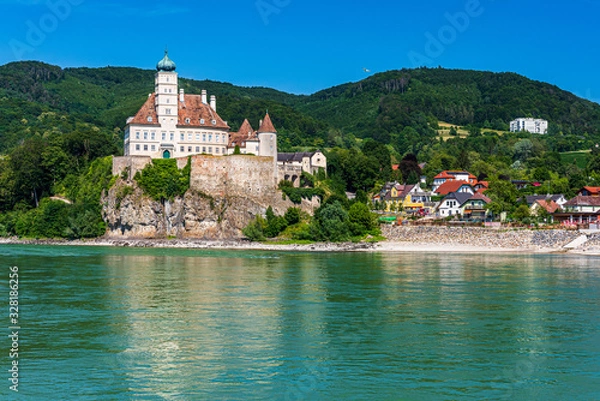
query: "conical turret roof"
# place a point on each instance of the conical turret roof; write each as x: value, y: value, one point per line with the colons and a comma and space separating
x: 246, y: 129
x: 267, y: 125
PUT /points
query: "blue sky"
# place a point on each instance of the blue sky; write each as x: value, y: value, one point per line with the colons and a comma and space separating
x: 302, y: 46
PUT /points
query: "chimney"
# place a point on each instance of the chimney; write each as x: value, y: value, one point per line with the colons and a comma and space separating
x: 213, y: 102
x: 259, y: 124
x: 204, y: 96
x: 181, y: 95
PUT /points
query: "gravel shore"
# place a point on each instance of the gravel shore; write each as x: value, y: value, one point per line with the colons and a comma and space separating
x: 399, y: 239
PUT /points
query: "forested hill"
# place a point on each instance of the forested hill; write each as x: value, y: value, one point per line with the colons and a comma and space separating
x: 381, y: 106
x: 392, y: 100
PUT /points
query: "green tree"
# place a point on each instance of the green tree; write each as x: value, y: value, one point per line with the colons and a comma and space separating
x: 503, y: 195
x: 521, y: 213
x: 362, y: 221
x: 330, y: 223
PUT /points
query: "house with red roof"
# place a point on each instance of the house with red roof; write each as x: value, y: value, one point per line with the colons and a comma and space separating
x: 590, y: 191
x: 475, y: 207
x: 454, y: 186
x: 449, y: 175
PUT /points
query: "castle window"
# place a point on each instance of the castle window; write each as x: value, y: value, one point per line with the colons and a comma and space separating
x: 210, y: 138
x: 189, y: 136
x: 203, y: 149
x: 203, y: 137
x: 202, y: 121
x: 137, y: 147
x: 218, y: 150
x: 209, y: 149
x: 153, y: 147
x: 187, y: 121
x: 164, y: 136
x: 197, y: 136
x: 149, y: 119
x: 137, y: 135
x: 168, y: 111
x: 168, y: 100
x: 153, y: 135
x: 189, y: 148
x: 214, y: 122
x: 197, y: 149
x: 172, y: 136
x: 182, y: 137
x: 145, y: 147
x: 145, y: 135
x: 182, y: 149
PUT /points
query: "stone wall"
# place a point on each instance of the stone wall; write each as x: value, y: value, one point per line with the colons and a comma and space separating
x: 236, y: 175
x: 131, y: 164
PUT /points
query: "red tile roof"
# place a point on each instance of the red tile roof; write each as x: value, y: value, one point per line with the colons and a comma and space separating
x: 480, y: 196
x: 550, y: 205
x: 267, y: 125
x: 592, y: 190
x: 245, y: 133
x: 191, y: 108
x: 584, y: 201
x: 443, y: 174
x: 451, y: 175
x: 450, y: 186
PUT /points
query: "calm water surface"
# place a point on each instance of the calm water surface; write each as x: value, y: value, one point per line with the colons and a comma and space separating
x: 152, y: 324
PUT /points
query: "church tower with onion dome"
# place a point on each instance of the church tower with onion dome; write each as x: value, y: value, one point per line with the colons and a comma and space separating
x: 166, y: 87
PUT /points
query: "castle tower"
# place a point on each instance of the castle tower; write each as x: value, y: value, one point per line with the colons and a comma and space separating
x: 267, y: 138
x: 166, y: 90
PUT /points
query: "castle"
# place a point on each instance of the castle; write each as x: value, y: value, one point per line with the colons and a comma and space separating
x: 173, y: 124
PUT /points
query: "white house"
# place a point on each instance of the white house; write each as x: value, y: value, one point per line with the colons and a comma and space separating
x: 533, y: 125
x: 451, y: 205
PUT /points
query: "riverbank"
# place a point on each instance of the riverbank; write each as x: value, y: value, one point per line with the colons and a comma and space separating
x: 399, y: 239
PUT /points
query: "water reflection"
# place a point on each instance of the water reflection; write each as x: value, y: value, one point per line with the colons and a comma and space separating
x: 180, y: 324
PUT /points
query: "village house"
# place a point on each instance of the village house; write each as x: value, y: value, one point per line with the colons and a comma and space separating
x: 448, y: 175
x: 559, y: 199
x: 475, y: 207
x: 454, y: 186
x: 590, y: 191
x: 580, y: 210
x: 452, y: 204
x: 292, y: 165
x: 409, y: 198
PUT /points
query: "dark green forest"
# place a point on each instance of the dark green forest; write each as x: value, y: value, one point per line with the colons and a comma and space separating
x: 58, y: 126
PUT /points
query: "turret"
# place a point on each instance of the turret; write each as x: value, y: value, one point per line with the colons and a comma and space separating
x: 166, y: 91
x: 267, y: 142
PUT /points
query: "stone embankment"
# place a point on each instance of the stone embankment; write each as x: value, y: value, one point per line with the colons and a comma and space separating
x: 482, y: 237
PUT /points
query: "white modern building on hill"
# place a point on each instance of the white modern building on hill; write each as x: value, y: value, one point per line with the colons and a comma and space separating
x: 533, y: 125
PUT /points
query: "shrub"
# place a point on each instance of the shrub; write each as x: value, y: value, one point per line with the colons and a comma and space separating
x: 162, y: 180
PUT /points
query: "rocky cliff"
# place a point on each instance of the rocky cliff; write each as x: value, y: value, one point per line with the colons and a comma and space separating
x: 131, y: 214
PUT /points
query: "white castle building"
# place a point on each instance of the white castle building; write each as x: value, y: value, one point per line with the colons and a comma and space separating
x: 535, y: 126
x: 172, y: 124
